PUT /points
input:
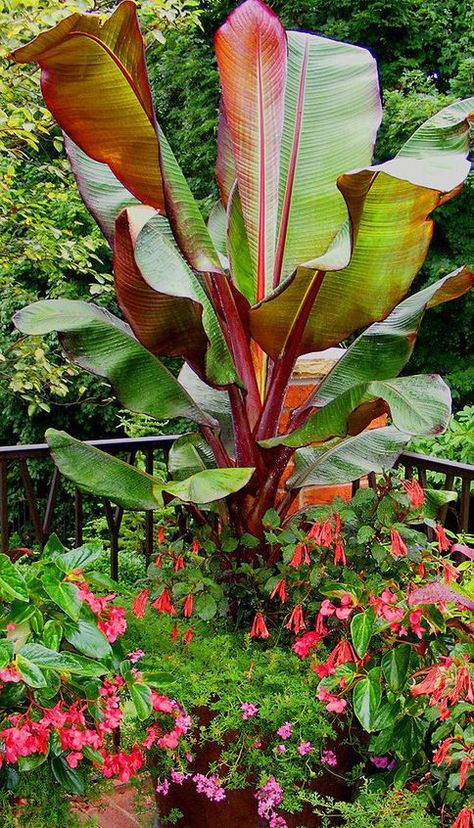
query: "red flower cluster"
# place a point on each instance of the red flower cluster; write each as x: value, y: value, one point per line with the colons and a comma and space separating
x: 446, y: 683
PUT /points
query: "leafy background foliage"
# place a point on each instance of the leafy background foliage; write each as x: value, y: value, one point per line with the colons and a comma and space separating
x: 49, y: 245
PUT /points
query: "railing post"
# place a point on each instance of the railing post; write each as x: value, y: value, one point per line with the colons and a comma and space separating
x: 4, y: 506
x: 148, y: 514
x: 78, y: 518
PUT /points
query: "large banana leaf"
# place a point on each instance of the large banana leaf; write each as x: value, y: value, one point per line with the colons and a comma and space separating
x: 189, y: 455
x: 103, y: 194
x: 416, y: 405
x: 371, y: 451
x: 94, y: 81
x: 214, y: 401
x: 101, y: 475
x: 251, y: 51
x: 225, y: 167
x: 102, y: 344
x: 383, y: 350
x: 163, y: 299
x: 183, y: 212
x: 389, y: 206
x: 332, y: 113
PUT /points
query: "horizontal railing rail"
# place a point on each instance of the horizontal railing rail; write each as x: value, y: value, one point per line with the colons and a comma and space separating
x: 39, y: 510
x: 42, y: 519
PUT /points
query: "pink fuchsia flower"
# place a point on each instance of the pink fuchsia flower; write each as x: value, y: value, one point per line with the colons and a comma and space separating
x: 328, y: 757
x: 441, y: 537
x: 398, y: 547
x: 341, y: 654
x: 306, y: 642
x: 296, y: 620
x: 248, y: 710
x: 344, y: 611
x: 162, y: 788
x: 334, y: 704
x: 210, y: 786
x: 140, y: 602
x: 415, y: 618
x: 450, y: 573
x: 259, y: 628
x: 327, y: 608
x: 135, y: 656
x: 113, y: 623
x: 74, y: 758
x: 285, y: 731
x: 304, y: 748
x: 10, y: 674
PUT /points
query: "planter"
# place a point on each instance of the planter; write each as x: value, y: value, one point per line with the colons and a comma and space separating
x: 239, y: 809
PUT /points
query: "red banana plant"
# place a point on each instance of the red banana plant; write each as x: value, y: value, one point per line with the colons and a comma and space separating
x: 308, y: 245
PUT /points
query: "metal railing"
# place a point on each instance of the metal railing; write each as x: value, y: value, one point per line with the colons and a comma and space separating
x: 40, y: 510
x: 457, y: 476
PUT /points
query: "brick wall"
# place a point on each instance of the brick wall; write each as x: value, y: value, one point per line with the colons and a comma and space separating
x: 309, y: 373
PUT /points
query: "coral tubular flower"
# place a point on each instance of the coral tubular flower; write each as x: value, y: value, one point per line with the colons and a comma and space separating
x: 443, y: 542
x: 300, y: 556
x: 296, y: 620
x: 414, y: 492
x: 259, y: 628
x: 464, y: 819
x: 339, y: 554
x: 280, y: 590
x: 140, y: 602
x: 188, y: 606
x: 163, y: 603
x: 398, y: 547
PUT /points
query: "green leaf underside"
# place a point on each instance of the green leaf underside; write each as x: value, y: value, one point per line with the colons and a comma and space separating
x: 102, y: 475
x: 103, y: 194
x: 188, y: 455
x: 88, y: 639
x: 104, y: 345
x: 372, y: 451
x: 385, y: 347
x: 164, y: 270
x: 417, y: 405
